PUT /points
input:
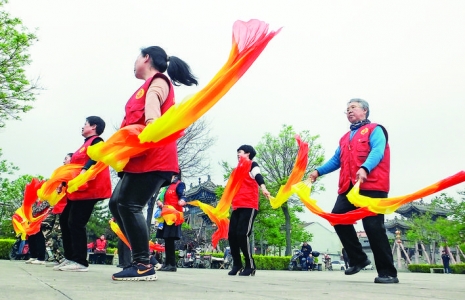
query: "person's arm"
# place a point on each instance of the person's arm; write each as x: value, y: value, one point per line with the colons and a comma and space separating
x: 180, y: 191
x: 91, y: 162
x: 255, y: 171
x: 378, y: 145
x: 156, y: 95
x: 331, y: 165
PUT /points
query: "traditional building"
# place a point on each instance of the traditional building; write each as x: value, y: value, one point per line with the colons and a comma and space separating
x: 205, y: 192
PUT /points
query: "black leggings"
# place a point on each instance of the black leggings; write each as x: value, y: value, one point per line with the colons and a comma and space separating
x: 130, y: 196
x: 240, y: 229
x: 170, y: 252
x: 37, y: 246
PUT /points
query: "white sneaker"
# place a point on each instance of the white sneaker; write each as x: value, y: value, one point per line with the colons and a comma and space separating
x: 30, y: 260
x: 157, y: 267
x: 51, y: 263
x: 63, y: 263
x: 38, y: 262
x: 74, y: 267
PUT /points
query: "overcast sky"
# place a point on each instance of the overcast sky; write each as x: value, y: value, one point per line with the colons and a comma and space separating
x: 406, y: 58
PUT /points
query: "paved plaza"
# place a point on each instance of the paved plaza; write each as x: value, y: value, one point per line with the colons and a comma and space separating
x: 21, y: 281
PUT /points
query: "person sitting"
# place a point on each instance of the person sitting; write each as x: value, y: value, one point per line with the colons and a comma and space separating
x: 306, y: 250
x: 100, y: 251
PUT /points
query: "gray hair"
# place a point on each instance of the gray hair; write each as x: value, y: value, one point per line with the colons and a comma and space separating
x: 363, y: 104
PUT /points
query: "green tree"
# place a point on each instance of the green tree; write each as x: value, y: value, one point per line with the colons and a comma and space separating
x: 16, y: 91
x: 451, y: 229
x: 276, y: 156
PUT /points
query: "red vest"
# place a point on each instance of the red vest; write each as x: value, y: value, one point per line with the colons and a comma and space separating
x: 171, y: 198
x: 100, y: 186
x: 100, y: 245
x: 354, y: 153
x: 60, y: 206
x: 247, y: 196
x: 163, y: 158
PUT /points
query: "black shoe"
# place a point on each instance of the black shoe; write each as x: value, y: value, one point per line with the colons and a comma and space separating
x: 169, y: 268
x: 386, y: 279
x: 247, y: 272
x: 235, y: 270
x: 355, y: 269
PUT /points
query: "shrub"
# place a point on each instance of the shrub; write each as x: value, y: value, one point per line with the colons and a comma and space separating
x: 5, y: 248
x: 425, y: 268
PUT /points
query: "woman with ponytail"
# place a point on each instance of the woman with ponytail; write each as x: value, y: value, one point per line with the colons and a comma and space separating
x: 144, y: 175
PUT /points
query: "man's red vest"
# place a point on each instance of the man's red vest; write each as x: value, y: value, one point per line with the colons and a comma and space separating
x: 354, y: 153
x: 163, y: 158
x: 247, y: 196
x: 171, y: 198
x: 98, y: 188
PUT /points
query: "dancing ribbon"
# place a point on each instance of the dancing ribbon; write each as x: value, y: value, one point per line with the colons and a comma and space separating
x: 390, y: 205
x: 114, y: 226
x: 171, y: 215
x: 300, y: 165
x: 23, y: 221
x: 303, y: 191
x: 249, y: 40
x: 156, y: 247
x: 152, y: 246
x: 219, y: 214
x: 64, y: 173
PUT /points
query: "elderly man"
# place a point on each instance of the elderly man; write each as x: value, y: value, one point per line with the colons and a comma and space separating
x: 363, y: 154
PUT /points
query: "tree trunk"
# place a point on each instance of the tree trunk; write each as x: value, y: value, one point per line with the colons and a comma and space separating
x: 287, y: 217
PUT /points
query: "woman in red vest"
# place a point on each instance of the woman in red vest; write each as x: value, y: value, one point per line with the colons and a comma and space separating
x: 80, y: 204
x: 144, y: 175
x: 245, y: 209
x: 174, y: 196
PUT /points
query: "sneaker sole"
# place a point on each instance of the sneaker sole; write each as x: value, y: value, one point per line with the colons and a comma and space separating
x: 141, y: 278
x: 74, y: 270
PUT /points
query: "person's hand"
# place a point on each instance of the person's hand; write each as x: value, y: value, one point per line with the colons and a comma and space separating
x: 313, y: 176
x: 83, y: 171
x: 159, y: 204
x: 181, y: 202
x: 361, y: 175
x: 265, y: 192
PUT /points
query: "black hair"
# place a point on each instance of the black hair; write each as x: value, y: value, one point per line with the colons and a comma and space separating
x: 178, y: 71
x: 178, y: 175
x: 70, y: 154
x: 248, y: 149
x: 100, y: 124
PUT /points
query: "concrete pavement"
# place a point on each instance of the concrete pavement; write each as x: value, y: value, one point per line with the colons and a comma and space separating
x: 21, y: 281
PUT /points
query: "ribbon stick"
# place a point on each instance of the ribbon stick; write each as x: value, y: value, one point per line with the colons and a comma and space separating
x: 300, y: 165
x: 390, y: 205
